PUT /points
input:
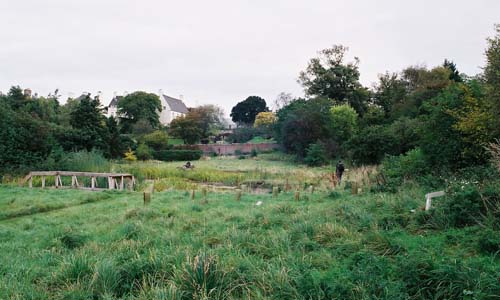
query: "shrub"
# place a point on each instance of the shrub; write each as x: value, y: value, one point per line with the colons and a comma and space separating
x: 371, y: 144
x: 157, y: 140
x: 130, y: 155
x: 178, y: 155
x: 83, y: 161
x: 489, y: 242
x: 144, y: 152
x: 244, y: 134
x: 409, y: 166
x: 316, y: 155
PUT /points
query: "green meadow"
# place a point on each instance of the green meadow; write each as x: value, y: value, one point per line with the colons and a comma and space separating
x: 321, y: 243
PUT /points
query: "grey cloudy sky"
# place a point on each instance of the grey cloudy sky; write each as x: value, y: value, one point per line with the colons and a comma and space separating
x: 222, y: 51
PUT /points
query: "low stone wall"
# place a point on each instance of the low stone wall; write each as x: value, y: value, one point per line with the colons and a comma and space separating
x: 231, y: 149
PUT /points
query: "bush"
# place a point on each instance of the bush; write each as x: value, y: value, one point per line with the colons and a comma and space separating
x: 157, y: 140
x: 83, y: 161
x: 489, y: 242
x: 397, y: 169
x: 178, y: 155
x: 144, y: 152
x: 243, y: 134
x: 316, y: 155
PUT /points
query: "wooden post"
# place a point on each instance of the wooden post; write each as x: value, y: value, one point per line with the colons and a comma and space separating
x: 311, y: 189
x: 93, y: 182
x: 147, y: 198
x: 297, y: 195
x: 287, y: 186
x: 275, y: 192
x: 31, y: 182
x: 43, y: 182
x: 74, y: 182
x: 243, y: 187
x: 193, y: 194
x: 354, y: 187
x: 121, y: 184
x: 148, y: 191
x: 204, y: 193
x: 58, y: 181
x: 238, y: 195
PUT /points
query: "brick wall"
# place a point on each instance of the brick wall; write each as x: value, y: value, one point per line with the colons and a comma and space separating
x: 230, y: 149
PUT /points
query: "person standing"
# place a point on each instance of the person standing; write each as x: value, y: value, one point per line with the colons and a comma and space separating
x: 339, y: 170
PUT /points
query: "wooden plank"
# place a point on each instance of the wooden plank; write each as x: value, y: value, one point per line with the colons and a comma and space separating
x: 435, y: 194
x: 429, y: 196
x: 70, y: 173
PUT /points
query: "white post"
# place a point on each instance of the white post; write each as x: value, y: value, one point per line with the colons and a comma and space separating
x: 429, y: 196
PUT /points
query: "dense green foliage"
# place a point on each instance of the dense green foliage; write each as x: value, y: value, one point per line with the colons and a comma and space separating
x: 177, y: 155
x: 450, y: 117
x: 244, y: 112
x: 139, y: 106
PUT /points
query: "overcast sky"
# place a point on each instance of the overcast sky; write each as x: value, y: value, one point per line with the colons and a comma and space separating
x: 220, y: 52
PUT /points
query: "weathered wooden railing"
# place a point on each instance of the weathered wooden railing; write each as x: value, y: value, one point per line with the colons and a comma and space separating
x: 115, y: 180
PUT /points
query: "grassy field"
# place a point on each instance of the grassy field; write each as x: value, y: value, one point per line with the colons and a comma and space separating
x: 329, y: 244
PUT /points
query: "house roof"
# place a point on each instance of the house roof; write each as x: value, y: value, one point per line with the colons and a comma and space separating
x: 114, y: 102
x: 176, y: 104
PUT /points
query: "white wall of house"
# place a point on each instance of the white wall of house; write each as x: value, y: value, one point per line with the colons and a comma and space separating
x: 166, y: 114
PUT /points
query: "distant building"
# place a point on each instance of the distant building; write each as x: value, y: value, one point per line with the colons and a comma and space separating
x: 171, y: 108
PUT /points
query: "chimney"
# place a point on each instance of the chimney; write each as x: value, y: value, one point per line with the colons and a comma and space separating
x: 160, y: 92
x: 181, y: 97
x: 27, y: 93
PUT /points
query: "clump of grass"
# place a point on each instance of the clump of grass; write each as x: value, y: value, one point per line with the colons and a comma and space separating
x: 328, y: 233
x: 72, y: 240
x: 202, y: 278
x: 141, y: 213
x: 106, y: 279
x: 381, y: 244
x: 76, y: 268
x: 130, y: 230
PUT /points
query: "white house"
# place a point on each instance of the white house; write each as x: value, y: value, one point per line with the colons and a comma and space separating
x: 171, y: 108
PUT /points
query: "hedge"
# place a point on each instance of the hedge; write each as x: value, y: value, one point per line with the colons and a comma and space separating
x: 181, y: 155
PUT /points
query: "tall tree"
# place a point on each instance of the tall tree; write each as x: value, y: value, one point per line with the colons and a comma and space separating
x: 139, y: 106
x: 89, y: 121
x: 210, y: 118
x: 492, y: 75
x: 330, y: 76
x: 187, y: 128
x: 245, y: 111
x: 454, y: 73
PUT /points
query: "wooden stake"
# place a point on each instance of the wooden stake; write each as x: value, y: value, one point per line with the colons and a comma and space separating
x: 297, y: 195
x: 31, y: 182
x: 354, y: 187
x: 238, y: 195
x: 275, y: 192
x: 193, y: 194
x: 43, y: 182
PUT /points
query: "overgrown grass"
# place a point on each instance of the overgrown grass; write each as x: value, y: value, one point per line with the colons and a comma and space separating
x: 327, y: 245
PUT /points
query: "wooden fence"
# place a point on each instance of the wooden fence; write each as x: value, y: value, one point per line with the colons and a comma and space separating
x: 115, y: 180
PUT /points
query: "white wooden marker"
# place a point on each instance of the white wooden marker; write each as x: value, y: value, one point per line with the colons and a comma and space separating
x: 429, y: 196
